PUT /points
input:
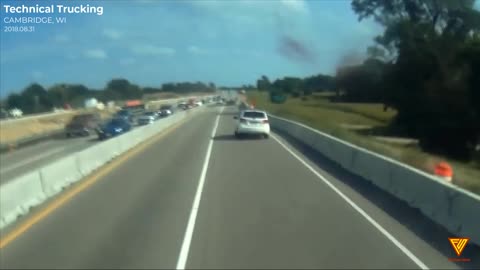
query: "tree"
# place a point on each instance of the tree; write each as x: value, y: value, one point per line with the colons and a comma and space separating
x: 15, y: 101
x: 35, y: 99
x: 430, y: 80
x: 123, y: 89
x: 263, y: 84
x: 318, y: 83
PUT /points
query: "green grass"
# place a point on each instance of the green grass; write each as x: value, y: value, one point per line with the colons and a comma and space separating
x: 318, y: 112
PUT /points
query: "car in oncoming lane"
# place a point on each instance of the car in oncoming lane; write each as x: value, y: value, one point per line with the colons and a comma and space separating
x: 126, y: 114
x: 147, y: 118
x: 82, y: 125
x: 252, y: 122
x: 113, y: 127
x: 165, y: 110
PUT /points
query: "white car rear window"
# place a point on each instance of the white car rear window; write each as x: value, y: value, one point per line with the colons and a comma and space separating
x: 254, y: 115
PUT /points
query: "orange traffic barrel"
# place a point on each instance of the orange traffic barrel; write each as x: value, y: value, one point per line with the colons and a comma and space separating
x: 444, y: 170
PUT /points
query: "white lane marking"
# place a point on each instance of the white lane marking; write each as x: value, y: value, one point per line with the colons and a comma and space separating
x: 31, y: 159
x: 379, y: 227
x: 182, y: 258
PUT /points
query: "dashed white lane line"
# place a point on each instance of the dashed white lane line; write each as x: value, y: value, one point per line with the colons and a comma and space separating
x: 182, y: 258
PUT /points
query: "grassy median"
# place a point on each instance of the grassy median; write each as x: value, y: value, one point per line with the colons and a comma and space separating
x: 353, y: 122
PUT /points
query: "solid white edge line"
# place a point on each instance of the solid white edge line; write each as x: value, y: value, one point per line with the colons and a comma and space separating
x: 379, y: 227
x: 182, y: 258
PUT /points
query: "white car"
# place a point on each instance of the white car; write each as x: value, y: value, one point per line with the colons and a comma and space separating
x: 147, y: 118
x: 16, y: 113
x: 252, y: 122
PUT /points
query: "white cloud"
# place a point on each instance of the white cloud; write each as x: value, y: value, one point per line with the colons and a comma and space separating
x: 196, y: 50
x: 37, y: 75
x: 148, y: 49
x: 112, y: 34
x: 61, y: 38
x: 295, y: 5
x: 95, y: 54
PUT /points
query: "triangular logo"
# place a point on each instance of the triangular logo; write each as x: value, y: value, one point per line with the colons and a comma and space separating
x: 458, y: 244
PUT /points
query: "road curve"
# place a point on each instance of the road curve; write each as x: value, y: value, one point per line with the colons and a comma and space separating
x: 260, y: 206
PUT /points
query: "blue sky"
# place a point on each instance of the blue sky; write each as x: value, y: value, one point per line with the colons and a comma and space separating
x: 151, y: 42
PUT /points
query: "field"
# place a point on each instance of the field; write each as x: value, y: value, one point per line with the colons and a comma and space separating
x: 357, y: 123
x: 24, y: 129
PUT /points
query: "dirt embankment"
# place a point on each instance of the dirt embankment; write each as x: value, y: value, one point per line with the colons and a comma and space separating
x: 18, y: 130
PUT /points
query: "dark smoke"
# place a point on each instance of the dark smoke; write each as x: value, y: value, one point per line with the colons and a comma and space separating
x: 295, y: 50
x: 349, y: 59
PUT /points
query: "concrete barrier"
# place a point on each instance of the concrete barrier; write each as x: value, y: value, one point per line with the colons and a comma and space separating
x: 19, y: 195
x: 86, y: 162
x: 59, y: 174
x: 455, y: 209
x: 16, y: 197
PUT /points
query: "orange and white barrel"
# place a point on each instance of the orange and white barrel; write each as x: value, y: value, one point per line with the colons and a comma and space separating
x: 444, y: 170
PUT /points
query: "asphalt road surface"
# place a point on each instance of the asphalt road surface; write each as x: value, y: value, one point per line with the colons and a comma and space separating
x: 29, y: 158
x: 196, y: 201
x: 32, y: 157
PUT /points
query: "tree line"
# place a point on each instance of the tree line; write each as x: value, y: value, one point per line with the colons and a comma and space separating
x: 295, y: 86
x: 37, y: 99
x: 425, y: 65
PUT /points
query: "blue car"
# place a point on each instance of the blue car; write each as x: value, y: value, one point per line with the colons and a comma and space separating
x: 125, y: 114
x: 114, y: 127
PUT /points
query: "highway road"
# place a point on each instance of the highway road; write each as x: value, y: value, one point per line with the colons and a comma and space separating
x: 195, y: 197
x: 32, y: 157
x: 29, y: 158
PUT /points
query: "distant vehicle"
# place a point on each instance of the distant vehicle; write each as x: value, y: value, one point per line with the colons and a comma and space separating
x: 243, y: 106
x: 16, y: 113
x: 252, y: 122
x: 126, y: 115
x: 91, y: 103
x: 147, y: 118
x: 182, y: 105
x: 134, y: 104
x: 198, y: 103
x: 165, y: 110
x: 82, y: 125
x: 113, y: 127
x: 231, y: 102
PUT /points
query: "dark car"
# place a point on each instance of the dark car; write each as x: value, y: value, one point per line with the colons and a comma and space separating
x: 113, y: 127
x: 184, y: 106
x: 148, y: 118
x: 165, y: 110
x: 127, y: 115
x: 82, y: 125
